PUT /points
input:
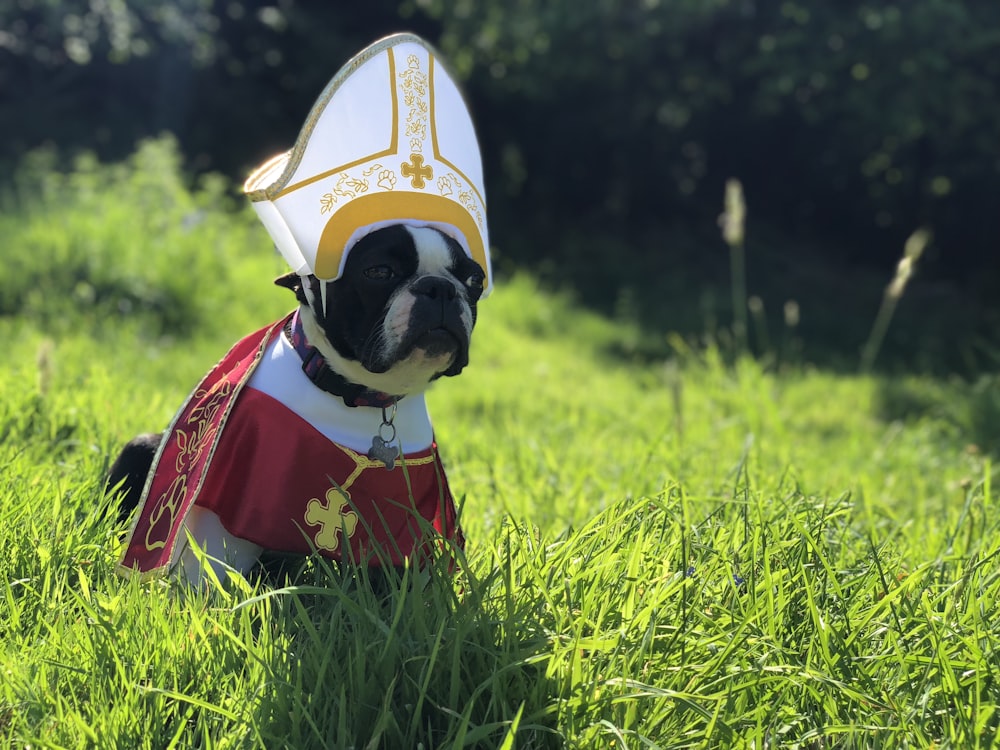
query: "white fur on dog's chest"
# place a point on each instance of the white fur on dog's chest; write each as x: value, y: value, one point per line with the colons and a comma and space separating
x: 280, y: 376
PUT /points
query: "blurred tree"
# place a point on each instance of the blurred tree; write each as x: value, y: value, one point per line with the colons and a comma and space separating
x: 98, y: 73
x: 233, y: 79
x: 853, y: 119
x: 602, y: 121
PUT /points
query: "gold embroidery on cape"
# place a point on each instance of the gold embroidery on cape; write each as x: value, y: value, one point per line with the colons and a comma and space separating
x: 156, y: 524
x: 337, y: 515
x: 202, y: 421
x: 193, y: 444
x: 333, y: 518
x: 193, y: 438
x: 167, y: 503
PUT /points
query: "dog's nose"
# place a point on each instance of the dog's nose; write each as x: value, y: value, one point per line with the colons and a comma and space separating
x: 435, y: 287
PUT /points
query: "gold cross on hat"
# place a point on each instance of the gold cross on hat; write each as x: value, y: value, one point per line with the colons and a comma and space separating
x: 417, y: 171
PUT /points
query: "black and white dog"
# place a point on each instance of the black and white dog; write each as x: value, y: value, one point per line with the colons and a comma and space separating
x: 400, y: 316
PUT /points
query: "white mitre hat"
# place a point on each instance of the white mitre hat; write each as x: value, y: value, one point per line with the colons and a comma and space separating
x: 389, y: 141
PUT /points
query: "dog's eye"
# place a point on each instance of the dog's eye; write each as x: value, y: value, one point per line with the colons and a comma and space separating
x: 474, y: 282
x: 379, y: 273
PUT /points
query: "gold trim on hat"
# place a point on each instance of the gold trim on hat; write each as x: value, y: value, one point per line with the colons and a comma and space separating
x: 372, y: 208
x: 257, y: 192
x: 434, y: 138
x: 457, y: 200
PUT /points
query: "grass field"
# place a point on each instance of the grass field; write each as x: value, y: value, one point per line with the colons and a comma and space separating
x: 709, y: 551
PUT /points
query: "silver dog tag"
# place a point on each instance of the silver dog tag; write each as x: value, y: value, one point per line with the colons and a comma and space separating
x: 384, y: 452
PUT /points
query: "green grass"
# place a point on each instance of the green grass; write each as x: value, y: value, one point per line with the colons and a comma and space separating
x: 675, y: 554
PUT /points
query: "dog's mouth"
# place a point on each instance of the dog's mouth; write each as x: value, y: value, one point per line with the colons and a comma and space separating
x: 436, y: 343
x: 441, y: 346
x: 449, y: 349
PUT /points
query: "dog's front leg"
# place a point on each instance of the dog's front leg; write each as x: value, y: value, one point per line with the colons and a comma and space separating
x: 218, y: 549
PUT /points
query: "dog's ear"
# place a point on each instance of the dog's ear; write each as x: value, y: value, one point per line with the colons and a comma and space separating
x: 294, y: 282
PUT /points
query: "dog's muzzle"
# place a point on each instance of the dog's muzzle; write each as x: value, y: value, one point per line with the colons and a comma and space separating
x: 437, y: 326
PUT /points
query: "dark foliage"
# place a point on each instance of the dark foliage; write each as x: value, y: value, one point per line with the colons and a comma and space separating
x: 608, y: 127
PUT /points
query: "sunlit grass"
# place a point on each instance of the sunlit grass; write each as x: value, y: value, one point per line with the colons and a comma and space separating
x: 691, y: 553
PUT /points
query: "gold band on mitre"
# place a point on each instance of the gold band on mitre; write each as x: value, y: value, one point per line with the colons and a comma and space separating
x: 390, y: 140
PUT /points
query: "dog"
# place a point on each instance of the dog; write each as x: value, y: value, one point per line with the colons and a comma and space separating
x: 312, y: 434
x: 341, y: 379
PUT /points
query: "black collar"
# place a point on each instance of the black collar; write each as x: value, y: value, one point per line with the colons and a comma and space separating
x: 316, y: 369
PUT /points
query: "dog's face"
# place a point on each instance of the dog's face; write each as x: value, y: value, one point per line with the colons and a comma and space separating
x: 400, y: 315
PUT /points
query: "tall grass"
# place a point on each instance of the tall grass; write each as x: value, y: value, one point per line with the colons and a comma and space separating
x: 125, y: 242
x: 733, y: 224
x: 914, y: 248
x: 685, y: 554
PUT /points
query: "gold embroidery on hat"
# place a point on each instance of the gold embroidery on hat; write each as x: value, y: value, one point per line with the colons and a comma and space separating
x: 449, y: 183
x: 387, y: 179
x: 279, y: 188
x: 413, y: 114
x: 437, y: 151
x: 351, y: 187
x: 415, y: 88
x: 417, y: 171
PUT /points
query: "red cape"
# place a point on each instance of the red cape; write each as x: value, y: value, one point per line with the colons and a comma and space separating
x: 276, y: 481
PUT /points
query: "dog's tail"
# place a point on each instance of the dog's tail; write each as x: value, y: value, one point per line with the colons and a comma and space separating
x: 128, y: 473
